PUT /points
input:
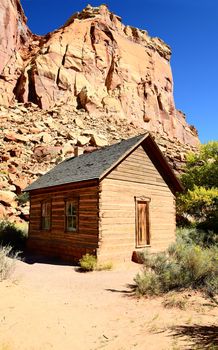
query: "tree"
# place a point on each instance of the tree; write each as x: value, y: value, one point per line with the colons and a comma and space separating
x: 200, y: 200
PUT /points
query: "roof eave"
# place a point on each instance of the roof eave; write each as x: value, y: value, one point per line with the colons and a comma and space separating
x: 59, y: 185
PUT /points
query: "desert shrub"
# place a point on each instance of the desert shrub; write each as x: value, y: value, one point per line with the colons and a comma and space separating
x: 7, y: 262
x: 104, y: 266
x: 174, y: 300
x: 181, y: 266
x: 195, y: 235
x: 147, y: 284
x: 12, y: 235
x: 88, y: 262
x: 23, y: 198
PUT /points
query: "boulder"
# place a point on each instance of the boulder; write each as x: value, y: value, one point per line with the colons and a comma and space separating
x: 98, y: 140
x: 83, y: 140
x: 2, y: 212
x: 20, y: 183
x: 46, y: 152
x: 7, y: 198
x: 45, y: 137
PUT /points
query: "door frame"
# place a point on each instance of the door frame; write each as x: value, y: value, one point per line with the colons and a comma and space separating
x: 146, y: 200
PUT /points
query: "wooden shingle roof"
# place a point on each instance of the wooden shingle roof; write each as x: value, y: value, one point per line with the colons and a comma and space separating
x: 99, y: 163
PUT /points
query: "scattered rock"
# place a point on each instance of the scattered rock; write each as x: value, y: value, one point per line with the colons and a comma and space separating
x: 113, y: 84
x: 45, y: 137
x: 7, y: 198
x: 99, y: 141
x: 2, y: 212
x: 134, y: 83
x: 83, y: 140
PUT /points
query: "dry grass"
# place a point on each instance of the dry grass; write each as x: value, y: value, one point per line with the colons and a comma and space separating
x: 7, y: 262
x: 175, y: 300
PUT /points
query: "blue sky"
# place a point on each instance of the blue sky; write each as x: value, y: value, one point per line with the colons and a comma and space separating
x: 190, y: 27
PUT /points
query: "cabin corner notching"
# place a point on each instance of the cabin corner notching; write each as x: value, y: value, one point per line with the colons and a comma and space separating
x: 110, y: 203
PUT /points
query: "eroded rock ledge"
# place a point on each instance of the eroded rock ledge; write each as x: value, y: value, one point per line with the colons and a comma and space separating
x: 95, y: 63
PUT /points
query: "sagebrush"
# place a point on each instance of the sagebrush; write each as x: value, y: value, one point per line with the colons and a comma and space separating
x: 193, y: 235
x: 7, y: 262
x: 181, y: 266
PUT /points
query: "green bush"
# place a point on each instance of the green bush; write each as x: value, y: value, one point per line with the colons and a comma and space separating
x: 88, y: 262
x: 195, y: 235
x: 200, y: 179
x: 7, y: 262
x: 181, y: 266
x: 23, y: 198
x: 200, y: 202
x: 201, y: 167
x: 11, y: 235
x: 104, y: 266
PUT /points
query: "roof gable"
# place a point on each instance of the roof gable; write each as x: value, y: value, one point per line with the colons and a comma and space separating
x: 100, y: 163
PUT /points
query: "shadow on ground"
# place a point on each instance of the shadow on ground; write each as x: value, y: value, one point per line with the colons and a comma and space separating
x: 130, y: 291
x: 200, y: 337
x: 33, y: 259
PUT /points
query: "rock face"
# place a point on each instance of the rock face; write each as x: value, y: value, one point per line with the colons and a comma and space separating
x: 14, y: 41
x: 86, y: 85
x: 34, y: 140
x: 94, y: 63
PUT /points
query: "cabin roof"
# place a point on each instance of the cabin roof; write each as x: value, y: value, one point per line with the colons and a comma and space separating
x: 98, y: 164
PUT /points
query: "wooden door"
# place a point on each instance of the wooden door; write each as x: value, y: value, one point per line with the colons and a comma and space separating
x: 142, y: 223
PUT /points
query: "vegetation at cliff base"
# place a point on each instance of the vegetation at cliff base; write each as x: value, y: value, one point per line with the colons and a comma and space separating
x: 199, y: 204
x: 12, y: 235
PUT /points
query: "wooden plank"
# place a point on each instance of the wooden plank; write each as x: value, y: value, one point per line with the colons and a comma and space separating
x: 118, y: 221
x: 131, y: 169
x: 136, y: 179
x: 67, y: 187
x: 111, y: 184
x: 117, y: 214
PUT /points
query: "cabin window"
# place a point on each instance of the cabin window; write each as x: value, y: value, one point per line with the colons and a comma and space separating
x: 72, y: 215
x: 46, y: 215
x: 142, y: 222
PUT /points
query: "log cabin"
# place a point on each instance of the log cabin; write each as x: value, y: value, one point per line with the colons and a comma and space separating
x: 111, y: 203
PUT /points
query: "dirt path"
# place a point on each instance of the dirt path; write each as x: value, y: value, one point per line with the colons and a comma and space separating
x: 54, y: 307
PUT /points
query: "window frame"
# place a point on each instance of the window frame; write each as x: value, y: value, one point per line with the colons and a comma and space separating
x: 75, y: 202
x: 42, y: 227
x: 146, y: 200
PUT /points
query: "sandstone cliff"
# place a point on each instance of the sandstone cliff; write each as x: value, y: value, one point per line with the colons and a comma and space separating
x: 93, y: 62
x: 90, y: 83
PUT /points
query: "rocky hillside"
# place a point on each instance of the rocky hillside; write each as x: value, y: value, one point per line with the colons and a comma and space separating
x: 89, y: 83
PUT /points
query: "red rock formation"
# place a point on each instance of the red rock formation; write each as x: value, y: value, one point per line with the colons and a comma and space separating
x: 14, y: 34
x: 95, y: 63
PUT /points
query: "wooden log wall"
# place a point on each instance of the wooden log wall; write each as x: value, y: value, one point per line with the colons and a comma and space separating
x: 56, y: 242
x: 136, y: 176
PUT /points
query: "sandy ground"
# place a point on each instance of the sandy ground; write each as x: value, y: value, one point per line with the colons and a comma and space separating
x: 47, y: 306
